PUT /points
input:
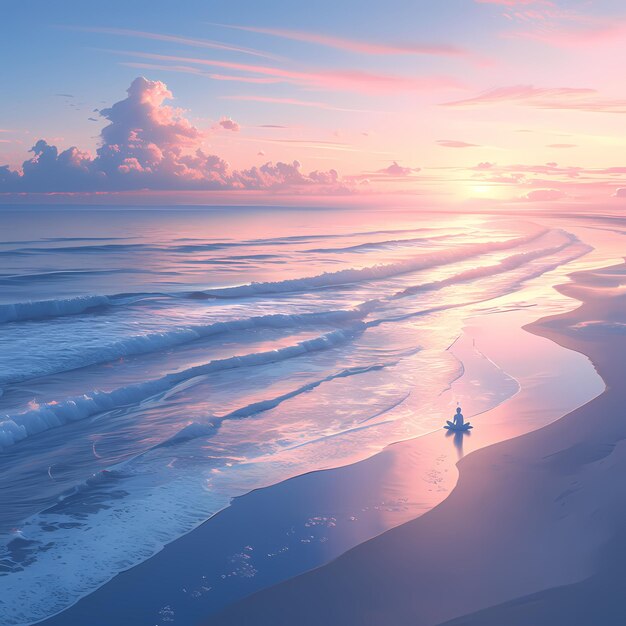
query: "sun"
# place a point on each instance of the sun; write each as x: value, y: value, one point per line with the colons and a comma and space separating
x: 482, y: 190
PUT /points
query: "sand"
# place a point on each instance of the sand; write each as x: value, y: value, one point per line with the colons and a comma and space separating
x: 530, y: 529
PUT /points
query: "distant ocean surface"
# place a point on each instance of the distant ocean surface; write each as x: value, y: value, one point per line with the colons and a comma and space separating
x: 156, y: 363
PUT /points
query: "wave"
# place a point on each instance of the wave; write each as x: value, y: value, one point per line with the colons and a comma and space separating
x: 83, y: 249
x: 11, y: 279
x: 16, y: 427
x: 578, y: 249
x: 159, y: 341
x: 309, y: 237
x: 23, y: 311
x: 376, y: 272
x: 204, y: 429
x: 181, y: 245
x: 505, y: 265
x: 377, y: 245
x: 44, y: 309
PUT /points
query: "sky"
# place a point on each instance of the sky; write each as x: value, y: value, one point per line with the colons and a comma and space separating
x: 442, y: 101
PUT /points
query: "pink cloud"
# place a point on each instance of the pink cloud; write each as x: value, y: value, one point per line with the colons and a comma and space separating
x: 524, y: 170
x: 335, y: 80
x: 527, y: 10
x: 568, y: 98
x: 353, y: 45
x: 544, y: 195
x: 620, y: 193
x: 566, y: 28
x: 398, y: 170
x: 229, y: 124
x: 185, y: 69
x: 514, y: 3
x: 294, y: 102
x: 149, y: 145
x: 187, y: 41
x: 453, y: 143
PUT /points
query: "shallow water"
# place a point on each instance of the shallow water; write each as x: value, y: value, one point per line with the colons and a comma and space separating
x: 156, y: 364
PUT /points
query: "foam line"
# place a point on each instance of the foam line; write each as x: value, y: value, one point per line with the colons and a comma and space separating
x: 16, y: 427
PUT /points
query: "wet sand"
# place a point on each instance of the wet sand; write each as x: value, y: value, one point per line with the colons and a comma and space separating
x: 531, y: 528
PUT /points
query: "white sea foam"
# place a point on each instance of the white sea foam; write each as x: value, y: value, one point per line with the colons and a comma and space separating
x: 376, y: 272
x: 158, y: 341
x: 15, y: 427
x: 505, y: 265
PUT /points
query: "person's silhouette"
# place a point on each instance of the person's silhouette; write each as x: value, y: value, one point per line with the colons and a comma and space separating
x: 458, y: 419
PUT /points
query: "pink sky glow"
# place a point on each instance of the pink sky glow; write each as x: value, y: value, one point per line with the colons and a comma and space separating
x: 526, y: 108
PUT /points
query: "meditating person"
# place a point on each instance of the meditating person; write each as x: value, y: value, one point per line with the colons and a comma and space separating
x: 458, y: 422
x: 458, y: 419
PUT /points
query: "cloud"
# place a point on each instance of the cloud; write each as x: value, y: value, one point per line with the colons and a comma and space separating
x: 353, y: 45
x: 185, y: 69
x: 328, y: 79
x: 186, y: 41
x: 619, y: 193
x: 515, y: 3
x: 544, y: 195
x: 562, y: 145
x: 398, y: 170
x: 524, y: 171
x: 527, y: 10
x: 148, y: 145
x: 566, y: 98
x: 229, y: 124
x: 453, y: 143
x: 270, y: 176
x: 294, y: 102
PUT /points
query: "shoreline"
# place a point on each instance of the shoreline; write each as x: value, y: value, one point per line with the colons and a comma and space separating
x: 536, y: 513
x: 319, y: 506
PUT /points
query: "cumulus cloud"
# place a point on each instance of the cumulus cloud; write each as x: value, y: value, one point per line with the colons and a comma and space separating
x: 229, y: 124
x: 148, y: 145
x: 270, y: 176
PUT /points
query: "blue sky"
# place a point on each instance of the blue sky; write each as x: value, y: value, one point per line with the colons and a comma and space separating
x: 549, y: 68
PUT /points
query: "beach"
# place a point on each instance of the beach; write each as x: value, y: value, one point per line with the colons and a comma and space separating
x: 529, y: 529
x: 313, y: 313
x: 252, y: 432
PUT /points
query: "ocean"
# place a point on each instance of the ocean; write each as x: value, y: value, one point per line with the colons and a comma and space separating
x: 156, y: 363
